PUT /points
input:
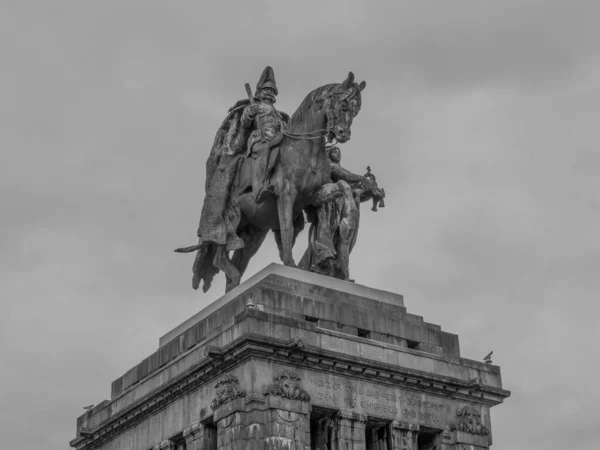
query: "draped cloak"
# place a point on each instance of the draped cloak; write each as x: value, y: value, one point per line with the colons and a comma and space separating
x: 328, y: 229
x: 221, y: 215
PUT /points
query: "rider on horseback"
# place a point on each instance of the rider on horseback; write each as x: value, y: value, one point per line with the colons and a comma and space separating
x: 251, y: 135
x: 266, y: 124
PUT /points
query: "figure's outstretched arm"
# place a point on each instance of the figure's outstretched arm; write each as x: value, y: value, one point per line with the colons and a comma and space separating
x: 339, y: 173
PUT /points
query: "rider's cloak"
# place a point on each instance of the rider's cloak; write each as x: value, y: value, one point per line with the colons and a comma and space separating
x: 221, y: 216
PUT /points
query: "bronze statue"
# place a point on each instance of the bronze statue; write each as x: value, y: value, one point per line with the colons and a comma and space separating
x: 334, y: 223
x: 299, y: 172
x: 266, y: 124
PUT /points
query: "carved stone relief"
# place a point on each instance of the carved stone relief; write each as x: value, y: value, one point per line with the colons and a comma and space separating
x: 287, y: 385
x: 468, y: 420
x: 227, y: 389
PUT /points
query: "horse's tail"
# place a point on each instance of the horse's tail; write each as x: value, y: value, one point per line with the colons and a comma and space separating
x: 190, y: 249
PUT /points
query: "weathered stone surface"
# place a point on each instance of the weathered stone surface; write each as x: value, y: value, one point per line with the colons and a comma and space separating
x: 468, y: 420
x: 335, y: 308
x: 226, y: 390
x: 277, y: 423
x: 287, y: 385
x: 304, y: 284
x: 297, y: 375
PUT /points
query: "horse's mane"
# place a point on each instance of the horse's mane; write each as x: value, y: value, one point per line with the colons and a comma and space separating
x: 314, y: 100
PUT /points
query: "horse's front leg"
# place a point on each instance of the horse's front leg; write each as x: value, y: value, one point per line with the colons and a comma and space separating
x: 285, y: 207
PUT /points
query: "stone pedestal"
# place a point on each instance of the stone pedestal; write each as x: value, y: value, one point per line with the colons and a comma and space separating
x: 294, y: 360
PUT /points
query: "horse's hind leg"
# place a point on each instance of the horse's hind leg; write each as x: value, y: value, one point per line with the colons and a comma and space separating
x: 223, y: 262
x: 203, y: 269
x: 253, y: 240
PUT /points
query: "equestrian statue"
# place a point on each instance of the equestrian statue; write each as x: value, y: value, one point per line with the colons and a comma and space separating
x: 264, y: 170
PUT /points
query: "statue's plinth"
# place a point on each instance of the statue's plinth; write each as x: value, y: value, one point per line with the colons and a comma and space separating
x: 291, y: 359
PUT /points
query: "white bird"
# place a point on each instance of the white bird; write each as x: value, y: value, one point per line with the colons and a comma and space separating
x: 88, y: 407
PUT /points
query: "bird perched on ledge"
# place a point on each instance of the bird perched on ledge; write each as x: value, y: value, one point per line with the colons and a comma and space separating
x: 488, y: 358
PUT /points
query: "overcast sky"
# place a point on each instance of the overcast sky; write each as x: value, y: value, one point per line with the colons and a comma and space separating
x: 480, y: 119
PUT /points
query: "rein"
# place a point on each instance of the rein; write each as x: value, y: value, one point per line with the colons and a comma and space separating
x: 308, y: 135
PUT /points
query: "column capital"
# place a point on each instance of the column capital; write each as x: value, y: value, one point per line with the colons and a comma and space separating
x: 405, y: 426
x: 352, y: 416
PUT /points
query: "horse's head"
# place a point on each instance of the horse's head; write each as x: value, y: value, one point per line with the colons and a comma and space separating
x: 341, y: 106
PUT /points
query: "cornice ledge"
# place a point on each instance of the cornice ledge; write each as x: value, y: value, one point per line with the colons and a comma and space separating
x: 296, y: 352
x: 301, y: 354
x: 312, y: 356
x: 149, y: 404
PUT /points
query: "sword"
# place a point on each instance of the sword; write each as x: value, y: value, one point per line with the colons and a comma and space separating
x: 249, y: 92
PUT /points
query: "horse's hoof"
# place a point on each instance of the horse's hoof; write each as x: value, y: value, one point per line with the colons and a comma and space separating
x: 231, y: 285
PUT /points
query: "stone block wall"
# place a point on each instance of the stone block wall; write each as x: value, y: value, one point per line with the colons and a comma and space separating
x: 258, y: 423
x: 291, y: 365
x: 324, y: 307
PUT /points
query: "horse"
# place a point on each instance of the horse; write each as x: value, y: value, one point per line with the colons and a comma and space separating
x: 300, y: 176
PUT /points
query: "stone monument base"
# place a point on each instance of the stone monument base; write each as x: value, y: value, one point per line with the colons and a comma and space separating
x: 295, y: 360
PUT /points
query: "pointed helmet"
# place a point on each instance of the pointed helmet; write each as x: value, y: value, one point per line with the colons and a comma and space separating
x: 267, y: 79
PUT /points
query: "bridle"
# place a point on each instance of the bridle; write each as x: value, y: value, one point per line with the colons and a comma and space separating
x: 318, y: 134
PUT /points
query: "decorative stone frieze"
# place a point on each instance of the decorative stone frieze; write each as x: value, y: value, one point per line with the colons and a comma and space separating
x: 468, y: 420
x: 227, y: 389
x: 287, y: 385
